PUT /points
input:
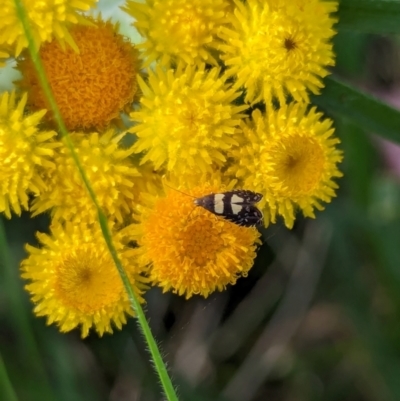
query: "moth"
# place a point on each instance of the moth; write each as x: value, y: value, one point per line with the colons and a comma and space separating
x: 237, y: 206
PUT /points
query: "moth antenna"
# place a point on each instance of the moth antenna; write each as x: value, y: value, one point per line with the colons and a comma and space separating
x: 187, y: 217
x: 183, y: 193
x: 177, y: 190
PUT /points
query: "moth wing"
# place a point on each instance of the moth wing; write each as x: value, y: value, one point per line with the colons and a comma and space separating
x: 249, y: 197
x: 249, y: 216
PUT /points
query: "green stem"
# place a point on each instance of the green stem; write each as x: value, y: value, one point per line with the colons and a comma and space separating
x: 6, y: 388
x: 143, y: 324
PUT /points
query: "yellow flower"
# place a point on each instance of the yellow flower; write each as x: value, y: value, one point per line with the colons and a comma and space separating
x: 187, y: 119
x: 73, y: 280
x: 190, y: 250
x: 47, y: 18
x: 178, y: 30
x: 291, y: 158
x: 24, y: 153
x: 91, y: 88
x: 149, y: 181
x: 279, y: 47
x: 108, y: 169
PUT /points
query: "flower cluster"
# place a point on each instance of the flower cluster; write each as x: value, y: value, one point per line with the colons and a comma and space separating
x: 214, y: 99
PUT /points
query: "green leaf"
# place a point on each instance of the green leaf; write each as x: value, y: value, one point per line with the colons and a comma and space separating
x: 369, y: 16
x: 360, y: 161
x: 349, y: 48
x: 362, y: 109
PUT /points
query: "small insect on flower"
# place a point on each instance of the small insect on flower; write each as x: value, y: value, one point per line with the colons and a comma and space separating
x: 237, y: 206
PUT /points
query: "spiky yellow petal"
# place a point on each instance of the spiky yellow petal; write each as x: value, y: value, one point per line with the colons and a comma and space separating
x: 24, y: 153
x: 73, y: 280
x: 279, y: 47
x: 48, y: 19
x: 178, y: 30
x: 187, y: 119
x: 291, y: 157
x: 109, y: 170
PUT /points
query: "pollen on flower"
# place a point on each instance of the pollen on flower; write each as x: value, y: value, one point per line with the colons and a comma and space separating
x: 48, y: 19
x: 109, y: 170
x: 291, y: 157
x: 190, y: 250
x: 187, y: 119
x: 25, y: 152
x: 178, y: 30
x: 91, y: 88
x: 275, y: 47
x: 73, y: 280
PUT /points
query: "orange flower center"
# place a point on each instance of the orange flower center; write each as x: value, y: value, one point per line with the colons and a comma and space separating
x: 298, y: 164
x: 87, y: 280
x: 91, y: 88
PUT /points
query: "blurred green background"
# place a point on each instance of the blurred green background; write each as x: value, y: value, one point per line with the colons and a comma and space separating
x: 317, y: 319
